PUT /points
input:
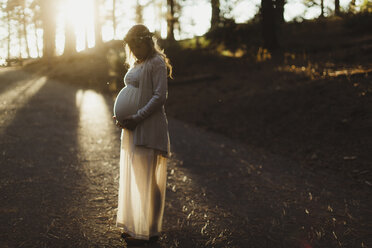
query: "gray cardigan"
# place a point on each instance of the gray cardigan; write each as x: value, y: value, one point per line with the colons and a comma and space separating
x: 152, y: 129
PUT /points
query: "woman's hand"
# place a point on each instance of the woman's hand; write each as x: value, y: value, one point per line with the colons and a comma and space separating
x: 130, y: 122
x: 117, y: 122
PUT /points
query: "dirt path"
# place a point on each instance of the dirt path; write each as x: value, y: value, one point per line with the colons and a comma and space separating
x: 59, y: 177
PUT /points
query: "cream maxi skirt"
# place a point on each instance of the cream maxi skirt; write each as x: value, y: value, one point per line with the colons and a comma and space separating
x: 142, y: 184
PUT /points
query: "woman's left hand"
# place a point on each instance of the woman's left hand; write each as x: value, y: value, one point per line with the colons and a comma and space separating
x: 130, y: 122
x: 116, y: 122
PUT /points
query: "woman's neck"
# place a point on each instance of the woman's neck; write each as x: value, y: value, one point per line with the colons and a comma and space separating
x: 139, y: 61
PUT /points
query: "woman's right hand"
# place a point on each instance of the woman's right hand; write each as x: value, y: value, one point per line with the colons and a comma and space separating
x: 116, y: 122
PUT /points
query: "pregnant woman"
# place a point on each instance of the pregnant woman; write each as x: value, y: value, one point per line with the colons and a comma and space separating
x: 145, y: 148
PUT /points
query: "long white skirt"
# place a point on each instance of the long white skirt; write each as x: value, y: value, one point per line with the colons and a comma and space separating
x: 142, y: 184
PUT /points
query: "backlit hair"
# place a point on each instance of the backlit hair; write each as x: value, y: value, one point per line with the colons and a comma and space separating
x: 140, y: 31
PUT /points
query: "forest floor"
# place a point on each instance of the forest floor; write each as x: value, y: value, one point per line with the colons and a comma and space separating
x: 269, y: 153
x: 278, y: 160
x: 318, y: 114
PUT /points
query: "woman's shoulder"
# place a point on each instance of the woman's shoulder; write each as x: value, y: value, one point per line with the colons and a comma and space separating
x: 157, y: 59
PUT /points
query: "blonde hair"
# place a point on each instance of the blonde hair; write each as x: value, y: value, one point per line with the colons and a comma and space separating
x: 141, y: 31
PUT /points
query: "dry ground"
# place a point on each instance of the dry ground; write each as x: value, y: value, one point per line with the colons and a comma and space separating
x: 59, y: 163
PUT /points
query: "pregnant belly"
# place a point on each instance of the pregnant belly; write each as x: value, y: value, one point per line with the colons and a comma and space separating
x: 126, y: 103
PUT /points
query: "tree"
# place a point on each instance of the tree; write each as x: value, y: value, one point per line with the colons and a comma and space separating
x: 366, y: 6
x: 48, y: 14
x: 70, y: 37
x: 312, y: 3
x: 19, y: 31
x: 24, y: 24
x: 337, y: 7
x: 352, y: 6
x: 139, y: 12
x: 113, y: 15
x: 268, y: 22
x: 36, y: 19
x: 170, y: 20
x: 16, y: 11
x: 6, y: 9
x: 97, y: 24
x: 159, y: 15
x: 215, y: 19
x: 140, y: 6
x: 86, y: 38
x: 279, y: 6
x: 173, y: 12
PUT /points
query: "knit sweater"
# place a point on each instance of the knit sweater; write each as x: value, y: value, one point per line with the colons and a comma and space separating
x: 152, y: 129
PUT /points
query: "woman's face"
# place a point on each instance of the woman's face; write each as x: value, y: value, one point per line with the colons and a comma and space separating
x: 139, y: 48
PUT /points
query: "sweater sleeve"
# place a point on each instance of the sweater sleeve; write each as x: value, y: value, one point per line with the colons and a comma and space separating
x: 160, y: 89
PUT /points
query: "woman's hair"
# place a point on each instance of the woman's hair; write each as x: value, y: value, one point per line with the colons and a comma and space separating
x: 142, y: 33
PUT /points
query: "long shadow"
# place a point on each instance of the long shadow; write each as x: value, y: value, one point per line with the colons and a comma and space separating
x: 261, y: 199
x: 40, y: 174
x: 12, y: 77
x: 208, y: 160
x: 251, y: 206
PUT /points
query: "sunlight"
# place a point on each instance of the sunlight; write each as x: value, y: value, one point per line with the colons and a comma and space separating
x: 17, y: 97
x: 95, y: 120
x: 78, y: 10
x: 195, y: 20
x: 80, y: 14
x: 92, y: 107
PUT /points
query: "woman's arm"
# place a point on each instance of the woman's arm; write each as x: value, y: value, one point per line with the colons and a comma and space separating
x: 160, y: 88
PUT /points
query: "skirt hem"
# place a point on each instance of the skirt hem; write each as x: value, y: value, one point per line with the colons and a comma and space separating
x: 135, y: 235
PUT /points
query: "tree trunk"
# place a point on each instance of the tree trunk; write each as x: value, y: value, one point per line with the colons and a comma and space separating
x: 20, y: 43
x: 280, y: 10
x: 159, y: 15
x: 70, y: 38
x: 215, y: 19
x: 36, y: 17
x: 114, y: 17
x: 322, y: 8
x: 97, y: 24
x: 352, y: 6
x: 139, y: 12
x: 170, y: 20
x: 337, y: 7
x: 48, y: 14
x: 86, y: 37
x: 269, y: 25
x: 9, y: 35
x: 36, y: 39
x: 24, y: 24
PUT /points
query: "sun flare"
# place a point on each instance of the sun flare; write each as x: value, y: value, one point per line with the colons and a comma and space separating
x: 121, y: 15
x: 80, y: 14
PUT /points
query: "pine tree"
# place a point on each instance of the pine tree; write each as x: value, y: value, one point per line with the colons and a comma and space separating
x: 48, y: 14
